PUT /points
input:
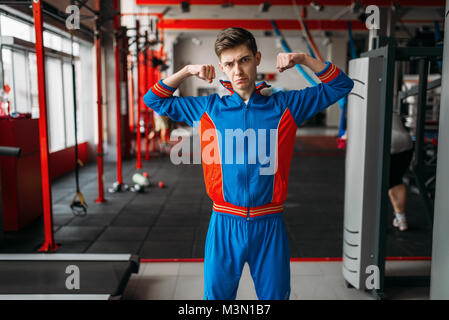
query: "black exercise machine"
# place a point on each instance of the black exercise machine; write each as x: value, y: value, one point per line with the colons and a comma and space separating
x: 47, y: 276
x: 52, y: 276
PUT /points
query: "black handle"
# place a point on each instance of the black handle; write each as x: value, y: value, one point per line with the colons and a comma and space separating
x: 10, y: 151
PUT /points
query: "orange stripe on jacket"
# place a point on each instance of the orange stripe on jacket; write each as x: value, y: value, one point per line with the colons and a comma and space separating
x: 213, y: 176
x: 284, y: 152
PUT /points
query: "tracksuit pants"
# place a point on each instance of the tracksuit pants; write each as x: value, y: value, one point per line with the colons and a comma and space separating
x: 262, y: 242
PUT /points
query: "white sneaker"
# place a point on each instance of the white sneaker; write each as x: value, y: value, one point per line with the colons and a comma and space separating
x: 400, y: 223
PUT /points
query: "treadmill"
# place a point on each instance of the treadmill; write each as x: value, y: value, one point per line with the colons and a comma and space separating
x: 55, y: 276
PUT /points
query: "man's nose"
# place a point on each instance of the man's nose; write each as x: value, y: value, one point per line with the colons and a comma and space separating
x: 238, y: 68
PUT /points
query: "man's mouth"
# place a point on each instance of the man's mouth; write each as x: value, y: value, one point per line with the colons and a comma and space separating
x: 240, y: 80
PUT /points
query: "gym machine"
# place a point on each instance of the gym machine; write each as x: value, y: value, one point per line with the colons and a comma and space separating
x: 50, y: 276
x: 370, y: 106
x: 47, y: 276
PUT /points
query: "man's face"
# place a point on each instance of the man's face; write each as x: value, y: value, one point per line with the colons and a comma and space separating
x: 240, y: 66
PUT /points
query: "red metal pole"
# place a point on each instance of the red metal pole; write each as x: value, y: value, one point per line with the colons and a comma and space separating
x: 151, y: 82
x: 147, y: 114
x: 117, y: 91
x: 125, y: 118
x: 49, y: 244
x: 130, y: 93
x: 139, y: 97
x: 99, y: 106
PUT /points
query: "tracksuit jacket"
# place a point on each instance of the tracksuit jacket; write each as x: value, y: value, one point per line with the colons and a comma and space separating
x: 239, y: 182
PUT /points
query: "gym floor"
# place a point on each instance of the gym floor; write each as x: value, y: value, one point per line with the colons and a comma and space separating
x: 171, y: 223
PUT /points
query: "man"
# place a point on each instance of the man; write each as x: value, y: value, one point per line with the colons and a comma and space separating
x: 401, y: 154
x: 161, y: 126
x: 247, y: 223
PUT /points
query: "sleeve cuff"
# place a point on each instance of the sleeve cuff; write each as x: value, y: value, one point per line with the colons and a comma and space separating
x: 329, y: 73
x: 162, y: 90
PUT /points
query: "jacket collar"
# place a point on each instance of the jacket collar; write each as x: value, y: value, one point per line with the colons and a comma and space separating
x: 259, y: 86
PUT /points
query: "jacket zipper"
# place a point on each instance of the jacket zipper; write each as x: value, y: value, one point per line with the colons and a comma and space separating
x: 246, y: 164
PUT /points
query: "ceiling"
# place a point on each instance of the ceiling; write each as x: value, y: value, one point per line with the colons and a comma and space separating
x: 205, y: 16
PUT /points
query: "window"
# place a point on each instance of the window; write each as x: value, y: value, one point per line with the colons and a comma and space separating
x: 55, y: 103
x: 8, y: 75
x: 21, y: 81
x: 20, y: 73
x: 15, y: 28
x: 68, y: 104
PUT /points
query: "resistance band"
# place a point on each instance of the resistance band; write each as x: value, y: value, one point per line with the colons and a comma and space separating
x: 78, y: 205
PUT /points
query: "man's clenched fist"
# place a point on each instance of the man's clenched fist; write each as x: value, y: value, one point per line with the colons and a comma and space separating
x: 203, y: 71
x: 286, y: 61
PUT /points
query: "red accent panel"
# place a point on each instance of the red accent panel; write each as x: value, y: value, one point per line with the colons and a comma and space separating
x: 21, y: 181
x: 404, y: 3
x: 212, y: 172
x: 172, y: 260
x: 325, y: 259
x: 63, y: 161
x: 341, y: 259
x: 408, y: 258
x: 286, y: 140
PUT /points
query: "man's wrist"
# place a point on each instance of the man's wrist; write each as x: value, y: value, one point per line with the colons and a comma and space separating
x: 187, y: 71
x: 300, y: 58
x: 314, y: 64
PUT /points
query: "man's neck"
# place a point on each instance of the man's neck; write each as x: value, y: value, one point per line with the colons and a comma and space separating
x: 246, y: 94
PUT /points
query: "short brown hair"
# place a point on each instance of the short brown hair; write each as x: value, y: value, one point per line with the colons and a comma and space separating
x: 233, y: 37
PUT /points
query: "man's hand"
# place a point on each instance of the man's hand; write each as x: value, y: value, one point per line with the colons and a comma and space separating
x: 202, y: 71
x: 286, y: 61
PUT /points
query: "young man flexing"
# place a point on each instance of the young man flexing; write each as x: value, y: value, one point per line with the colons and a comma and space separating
x: 247, y: 219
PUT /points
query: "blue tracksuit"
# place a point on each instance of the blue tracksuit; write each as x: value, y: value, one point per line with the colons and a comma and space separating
x: 246, y: 153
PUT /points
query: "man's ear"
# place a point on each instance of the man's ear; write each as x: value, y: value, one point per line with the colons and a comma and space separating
x: 258, y: 57
x: 221, y: 66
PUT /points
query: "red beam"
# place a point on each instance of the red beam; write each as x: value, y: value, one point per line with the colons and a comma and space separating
x: 335, y: 3
x: 218, y: 24
x: 49, y: 243
x: 292, y: 24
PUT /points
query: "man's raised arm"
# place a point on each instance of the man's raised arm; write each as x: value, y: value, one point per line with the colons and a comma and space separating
x: 189, y: 109
x: 306, y: 103
x: 203, y: 71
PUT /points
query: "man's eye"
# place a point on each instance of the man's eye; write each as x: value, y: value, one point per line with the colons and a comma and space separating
x: 245, y: 59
